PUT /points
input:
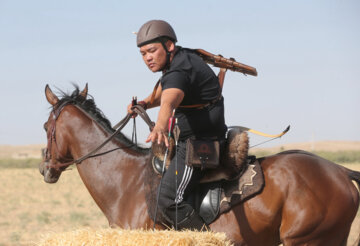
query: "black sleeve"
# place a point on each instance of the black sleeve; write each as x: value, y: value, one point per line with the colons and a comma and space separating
x: 175, y: 79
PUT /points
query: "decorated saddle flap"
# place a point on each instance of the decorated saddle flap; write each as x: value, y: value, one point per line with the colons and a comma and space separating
x: 248, y: 185
x: 219, y: 197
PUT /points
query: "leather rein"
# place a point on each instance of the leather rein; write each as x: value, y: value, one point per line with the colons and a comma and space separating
x: 51, y: 136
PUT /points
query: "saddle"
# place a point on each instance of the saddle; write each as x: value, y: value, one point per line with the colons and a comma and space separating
x: 232, y: 160
x: 239, y: 177
x: 215, y: 198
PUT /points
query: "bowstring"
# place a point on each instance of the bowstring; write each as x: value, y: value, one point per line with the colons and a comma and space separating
x: 263, y: 142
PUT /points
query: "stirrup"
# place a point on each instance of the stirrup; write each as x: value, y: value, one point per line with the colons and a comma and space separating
x: 193, y: 222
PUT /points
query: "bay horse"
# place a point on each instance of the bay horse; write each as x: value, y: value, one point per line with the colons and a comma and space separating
x: 306, y: 200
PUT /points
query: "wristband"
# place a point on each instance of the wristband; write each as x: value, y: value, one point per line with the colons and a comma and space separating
x: 143, y: 104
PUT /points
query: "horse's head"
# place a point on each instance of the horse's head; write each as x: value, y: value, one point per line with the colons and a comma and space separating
x: 57, y: 156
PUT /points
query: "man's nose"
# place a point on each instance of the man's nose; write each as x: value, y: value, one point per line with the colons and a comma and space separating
x: 148, y: 57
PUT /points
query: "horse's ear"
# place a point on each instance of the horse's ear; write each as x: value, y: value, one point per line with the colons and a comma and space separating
x: 50, y: 96
x: 85, y: 91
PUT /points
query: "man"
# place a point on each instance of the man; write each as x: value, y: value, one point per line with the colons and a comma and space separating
x: 189, y: 86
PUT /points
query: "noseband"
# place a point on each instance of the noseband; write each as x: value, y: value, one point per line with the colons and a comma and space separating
x: 51, y: 136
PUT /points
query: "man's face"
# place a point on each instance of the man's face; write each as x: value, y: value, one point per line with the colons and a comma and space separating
x: 154, y: 56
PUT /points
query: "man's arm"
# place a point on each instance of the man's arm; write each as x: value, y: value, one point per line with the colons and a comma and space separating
x: 170, y: 99
x: 147, y: 100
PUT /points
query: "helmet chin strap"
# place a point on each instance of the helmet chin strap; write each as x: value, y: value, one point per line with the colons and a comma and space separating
x: 168, y: 54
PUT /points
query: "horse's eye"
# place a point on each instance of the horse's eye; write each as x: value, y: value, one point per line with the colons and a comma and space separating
x: 46, y: 126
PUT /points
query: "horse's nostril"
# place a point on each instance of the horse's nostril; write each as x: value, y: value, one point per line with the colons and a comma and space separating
x: 42, y: 168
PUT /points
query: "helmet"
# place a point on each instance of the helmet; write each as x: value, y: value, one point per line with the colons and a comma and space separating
x: 153, y: 30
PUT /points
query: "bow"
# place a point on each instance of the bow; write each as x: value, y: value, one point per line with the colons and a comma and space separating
x: 242, y: 128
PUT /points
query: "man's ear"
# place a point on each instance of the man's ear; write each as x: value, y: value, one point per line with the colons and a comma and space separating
x: 170, y: 45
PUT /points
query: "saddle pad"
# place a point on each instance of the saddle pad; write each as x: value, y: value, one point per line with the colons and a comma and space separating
x: 216, y: 198
x: 248, y: 185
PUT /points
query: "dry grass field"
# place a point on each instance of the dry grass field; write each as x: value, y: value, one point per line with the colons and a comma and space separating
x: 31, y: 208
x: 115, y: 237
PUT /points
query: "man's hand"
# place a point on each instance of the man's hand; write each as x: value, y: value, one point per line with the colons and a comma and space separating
x: 159, y: 135
x: 170, y: 99
x: 130, y: 111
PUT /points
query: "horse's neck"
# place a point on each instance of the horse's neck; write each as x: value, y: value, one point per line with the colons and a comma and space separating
x: 114, y: 180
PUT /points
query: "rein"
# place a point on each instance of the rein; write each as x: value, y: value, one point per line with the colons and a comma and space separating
x: 138, y: 109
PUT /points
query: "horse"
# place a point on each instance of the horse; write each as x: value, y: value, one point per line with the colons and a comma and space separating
x: 306, y: 200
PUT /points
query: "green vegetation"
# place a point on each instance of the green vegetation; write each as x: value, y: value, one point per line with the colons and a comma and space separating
x: 79, y: 218
x: 340, y: 156
x: 15, y: 237
x: 337, y: 156
x: 261, y: 153
x: 20, y: 163
x: 44, y: 217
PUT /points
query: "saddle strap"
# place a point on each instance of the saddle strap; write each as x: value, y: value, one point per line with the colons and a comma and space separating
x: 154, y: 92
x: 202, y: 106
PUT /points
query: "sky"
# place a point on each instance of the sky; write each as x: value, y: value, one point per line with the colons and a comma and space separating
x: 306, y: 53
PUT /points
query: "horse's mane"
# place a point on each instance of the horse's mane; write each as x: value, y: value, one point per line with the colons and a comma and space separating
x: 89, y: 106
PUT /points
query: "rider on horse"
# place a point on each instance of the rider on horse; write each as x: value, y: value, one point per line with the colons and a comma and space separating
x: 191, y: 88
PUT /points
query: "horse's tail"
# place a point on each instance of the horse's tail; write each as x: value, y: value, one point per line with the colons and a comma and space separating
x: 355, y: 176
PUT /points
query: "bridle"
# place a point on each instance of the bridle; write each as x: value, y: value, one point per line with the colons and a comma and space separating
x: 51, y: 137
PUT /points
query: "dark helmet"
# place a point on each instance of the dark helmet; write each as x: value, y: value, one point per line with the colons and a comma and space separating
x: 153, y: 30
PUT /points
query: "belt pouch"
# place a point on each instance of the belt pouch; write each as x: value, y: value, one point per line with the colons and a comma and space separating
x: 204, y: 154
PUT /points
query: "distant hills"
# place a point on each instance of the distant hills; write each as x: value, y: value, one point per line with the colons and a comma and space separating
x: 331, y: 146
x: 21, y: 151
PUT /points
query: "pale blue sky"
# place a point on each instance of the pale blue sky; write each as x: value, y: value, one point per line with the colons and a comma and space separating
x: 306, y: 52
